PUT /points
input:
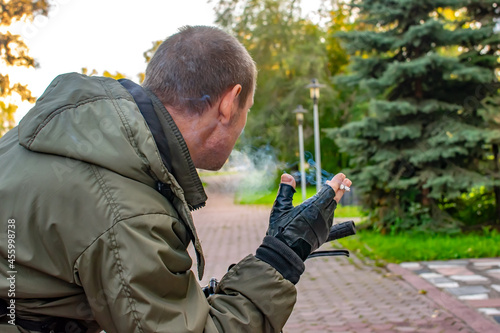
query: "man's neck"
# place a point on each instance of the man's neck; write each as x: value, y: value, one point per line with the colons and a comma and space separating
x: 196, y: 131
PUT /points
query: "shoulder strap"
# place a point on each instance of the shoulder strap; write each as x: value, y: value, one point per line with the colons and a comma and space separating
x: 145, y: 105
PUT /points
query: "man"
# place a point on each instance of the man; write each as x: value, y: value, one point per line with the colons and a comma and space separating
x: 98, y: 181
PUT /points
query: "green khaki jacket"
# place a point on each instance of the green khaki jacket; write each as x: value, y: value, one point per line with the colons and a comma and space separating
x: 96, y: 242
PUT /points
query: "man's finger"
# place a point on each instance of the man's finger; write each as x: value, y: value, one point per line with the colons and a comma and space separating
x: 286, y: 191
x: 340, y: 193
x: 323, y: 203
x: 288, y: 179
x: 336, y: 181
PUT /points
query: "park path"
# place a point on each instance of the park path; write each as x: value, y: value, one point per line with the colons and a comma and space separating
x: 334, y: 294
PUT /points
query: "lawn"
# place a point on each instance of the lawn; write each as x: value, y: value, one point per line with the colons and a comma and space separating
x: 423, y: 247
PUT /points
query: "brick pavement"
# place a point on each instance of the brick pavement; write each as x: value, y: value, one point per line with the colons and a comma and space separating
x: 334, y: 294
x: 469, y: 288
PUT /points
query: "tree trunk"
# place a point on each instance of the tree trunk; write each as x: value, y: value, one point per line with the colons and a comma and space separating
x: 419, y: 91
x: 425, y: 197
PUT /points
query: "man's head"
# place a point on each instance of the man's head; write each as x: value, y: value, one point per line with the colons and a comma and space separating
x: 194, y: 67
x: 206, y: 80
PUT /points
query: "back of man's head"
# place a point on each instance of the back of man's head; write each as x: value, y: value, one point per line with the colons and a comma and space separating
x: 193, y: 69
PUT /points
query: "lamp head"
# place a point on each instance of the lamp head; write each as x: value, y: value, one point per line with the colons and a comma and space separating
x: 299, y: 114
x: 314, y: 89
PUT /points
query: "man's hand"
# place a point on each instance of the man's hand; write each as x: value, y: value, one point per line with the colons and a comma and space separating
x: 306, y: 227
x: 334, y: 183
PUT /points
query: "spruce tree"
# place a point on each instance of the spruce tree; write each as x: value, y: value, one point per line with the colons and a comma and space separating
x: 421, y: 146
x: 486, y: 14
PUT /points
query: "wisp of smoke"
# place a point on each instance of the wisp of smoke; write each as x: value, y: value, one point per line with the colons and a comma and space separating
x: 259, y: 165
x: 310, y: 171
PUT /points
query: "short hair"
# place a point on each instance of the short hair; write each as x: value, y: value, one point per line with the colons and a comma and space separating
x: 196, y: 66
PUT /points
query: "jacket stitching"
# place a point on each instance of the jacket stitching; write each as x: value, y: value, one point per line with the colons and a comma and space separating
x: 114, y: 245
x: 58, y: 111
x: 107, y: 194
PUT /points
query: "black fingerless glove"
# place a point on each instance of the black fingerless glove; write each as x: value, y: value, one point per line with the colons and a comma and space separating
x: 306, y: 227
x: 302, y: 229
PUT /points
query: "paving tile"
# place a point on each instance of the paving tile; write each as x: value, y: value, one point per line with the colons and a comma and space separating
x: 423, y: 270
x: 489, y: 311
x: 382, y: 326
x: 487, y: 303
x: 405, y: 329
x: 453, y: 270
x: 447, y: 285
x: 486, y: 262
x: 339, y: 329
x: 495, y: 275
x: 467, y: 290
x: 435, y: 330
x: 430, y: 275
x: 358, y: 325
x: 411, y: 265
x: 442, y: 282
x: 445, y: 263
x: 439, y: 280
x: 473, y: 297
x: 469, y: 278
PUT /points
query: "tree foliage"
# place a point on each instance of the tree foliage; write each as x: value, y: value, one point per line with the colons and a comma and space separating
x: 290, y: 49
x: 14, y: 52
x: 422, y: 147
x: 116, y: 76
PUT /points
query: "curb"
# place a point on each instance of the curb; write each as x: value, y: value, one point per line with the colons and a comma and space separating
x: 470, y: 316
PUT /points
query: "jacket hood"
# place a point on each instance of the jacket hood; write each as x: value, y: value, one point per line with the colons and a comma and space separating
x: 95, y: 120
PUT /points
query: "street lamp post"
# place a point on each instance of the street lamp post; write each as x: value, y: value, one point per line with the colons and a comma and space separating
x: 299, y: 113
x: 314, y: 90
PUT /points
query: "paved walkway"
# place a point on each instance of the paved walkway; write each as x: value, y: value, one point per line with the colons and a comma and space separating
x: 466, y: 283
x: 340, y: 294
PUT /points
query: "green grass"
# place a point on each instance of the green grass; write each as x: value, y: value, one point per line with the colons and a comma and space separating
x: 267, y: 199
x: 423, y: 247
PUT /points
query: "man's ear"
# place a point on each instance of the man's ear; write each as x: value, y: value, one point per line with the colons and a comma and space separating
x: 228, y: 109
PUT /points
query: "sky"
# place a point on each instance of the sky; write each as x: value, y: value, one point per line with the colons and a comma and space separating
x: 103, y: 35
x: 100, y: 34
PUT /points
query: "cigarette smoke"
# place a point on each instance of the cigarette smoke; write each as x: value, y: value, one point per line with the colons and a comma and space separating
x: 260, y: 167
x: 255, y: 171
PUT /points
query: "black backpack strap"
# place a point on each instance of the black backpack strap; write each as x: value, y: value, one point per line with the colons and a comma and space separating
x: 145, y: 105
x: 50, y: 325
x: 3, y: 308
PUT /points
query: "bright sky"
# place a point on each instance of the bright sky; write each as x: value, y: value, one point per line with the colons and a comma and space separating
x: 101, y: 34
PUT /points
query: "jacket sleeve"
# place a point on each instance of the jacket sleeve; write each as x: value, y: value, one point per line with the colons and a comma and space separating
x: 137, y: 278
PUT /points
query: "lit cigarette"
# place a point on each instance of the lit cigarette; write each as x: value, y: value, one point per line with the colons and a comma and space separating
x: 345, y: 188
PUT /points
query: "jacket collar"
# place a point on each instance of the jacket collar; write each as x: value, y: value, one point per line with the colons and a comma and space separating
x: 182, y: 165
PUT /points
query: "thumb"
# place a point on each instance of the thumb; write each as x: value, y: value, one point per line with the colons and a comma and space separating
x: 286, y: 191
x: 288, y: 179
